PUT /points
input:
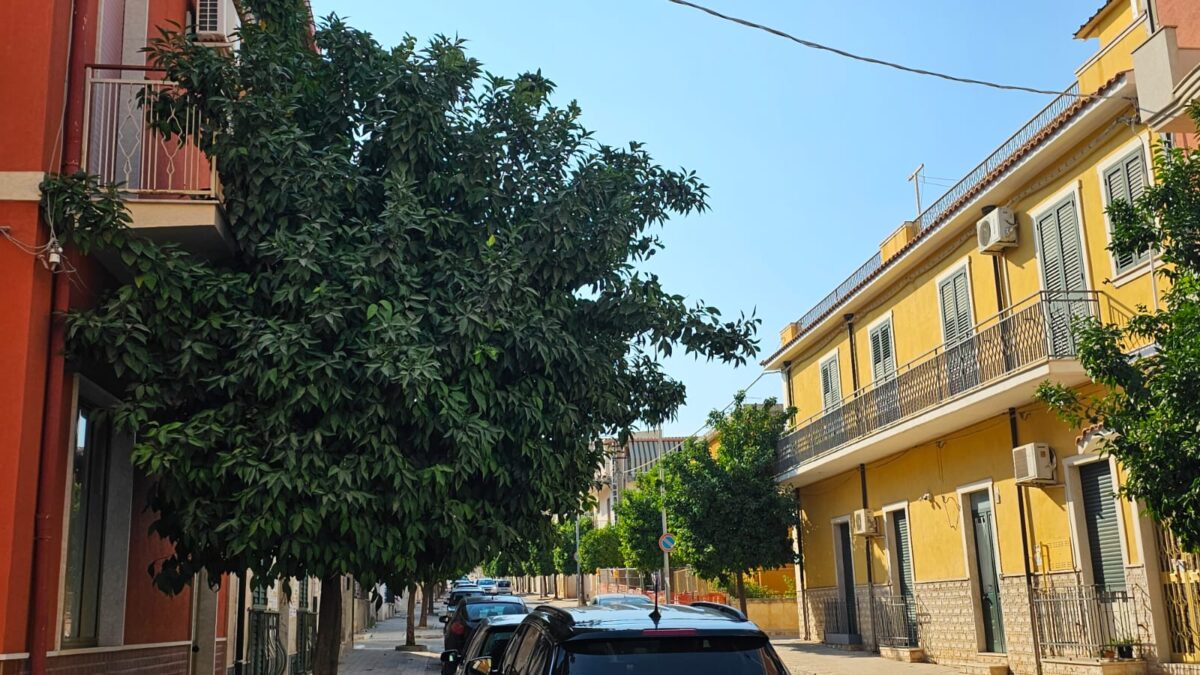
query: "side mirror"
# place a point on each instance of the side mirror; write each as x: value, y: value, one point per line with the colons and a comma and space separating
x: 444, y: 619
x: 480, y: 666
x: 450, y: 656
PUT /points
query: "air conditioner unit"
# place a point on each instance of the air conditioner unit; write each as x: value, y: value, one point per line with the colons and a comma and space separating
x: 865, y: 524
x: 997, y: 230
x: 1034, y: 463
x: 210, y: 21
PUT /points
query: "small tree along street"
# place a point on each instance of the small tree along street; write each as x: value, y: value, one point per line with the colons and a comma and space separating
x: 1152, y: 403
x: 730, y: 514
x: 432, y: 313
x: 639, y: 524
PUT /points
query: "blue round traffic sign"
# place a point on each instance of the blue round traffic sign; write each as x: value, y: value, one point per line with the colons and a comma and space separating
x: 667, y: 542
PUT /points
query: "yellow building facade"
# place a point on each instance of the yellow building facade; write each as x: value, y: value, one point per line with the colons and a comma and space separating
x: 946, y: 514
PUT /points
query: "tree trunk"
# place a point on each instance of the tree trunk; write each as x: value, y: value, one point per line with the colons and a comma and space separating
x: 741, y: 592
x: 329, y: 627
x: 554, y: 582
x: 425, y: 595
x: 410, y: 633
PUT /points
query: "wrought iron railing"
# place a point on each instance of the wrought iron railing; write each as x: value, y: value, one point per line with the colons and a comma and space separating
x: 1030, y: 332
x: 306, y: 642
x: 839, y: 617
x: 896, y: 621
x: 265, y: 653
x: 133, y: 138
x: 948, y: 203
x: 1087, y: 622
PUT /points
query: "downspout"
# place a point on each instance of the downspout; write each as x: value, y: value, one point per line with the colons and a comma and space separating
x: 853, y: 352
x: 239, y: 663
x: 1021, y: 497
x: 787, y: 383
x: 800, y: 563
x: 862, y: 482
x: 47, y: 543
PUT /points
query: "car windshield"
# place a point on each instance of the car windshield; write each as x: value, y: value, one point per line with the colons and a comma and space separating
x: 479, y: 610
x: 486, y: 582
x: 720, y: 655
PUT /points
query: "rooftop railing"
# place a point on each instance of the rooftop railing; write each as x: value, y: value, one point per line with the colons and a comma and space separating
x: 145, y: 148
x: 1027, y: 333
x: 948, y: 202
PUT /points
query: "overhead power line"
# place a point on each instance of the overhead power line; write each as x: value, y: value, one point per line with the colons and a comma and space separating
x: 867, y: 59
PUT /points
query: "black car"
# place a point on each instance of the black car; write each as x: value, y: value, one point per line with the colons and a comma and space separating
x: 488, y: 639
x: 700, y: 639
x: 471, y: 611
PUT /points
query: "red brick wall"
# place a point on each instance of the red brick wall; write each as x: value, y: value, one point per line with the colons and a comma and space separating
x: 149, y: 661
x: 220, y: 663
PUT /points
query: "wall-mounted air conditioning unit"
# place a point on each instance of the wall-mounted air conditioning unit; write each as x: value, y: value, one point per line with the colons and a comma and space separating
x: 1034, y: 463
x: 865, y: 524
x: 997, y: 230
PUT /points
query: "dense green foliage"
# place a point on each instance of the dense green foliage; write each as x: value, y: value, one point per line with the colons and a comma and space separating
x: 639, y: 524
x: 1152, y: 403
x: 432, y: 313
x: 564, y: 543
x: 729, y: 513
x: 600, y: 547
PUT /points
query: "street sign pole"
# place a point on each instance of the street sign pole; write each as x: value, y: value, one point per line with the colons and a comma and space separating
x: 578, y: 566
x: 663, y: 500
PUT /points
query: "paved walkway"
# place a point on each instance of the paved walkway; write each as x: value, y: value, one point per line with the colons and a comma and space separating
x: 375, y: 650
x: 807, y: 658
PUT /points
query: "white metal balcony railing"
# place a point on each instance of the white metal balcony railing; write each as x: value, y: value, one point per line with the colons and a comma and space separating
x: 1029, y: 332
x: 947, y: 203
x: 124, y: 141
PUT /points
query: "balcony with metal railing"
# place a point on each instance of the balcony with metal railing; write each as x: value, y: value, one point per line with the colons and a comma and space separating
x: 133, y: 139
x: 1030, y: 333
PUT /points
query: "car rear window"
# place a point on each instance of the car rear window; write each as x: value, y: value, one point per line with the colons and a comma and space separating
x: 698, y: 655
x: 459, y: 595
x: 495, y: 643
x: 481, y: 610
x: 504, y: 584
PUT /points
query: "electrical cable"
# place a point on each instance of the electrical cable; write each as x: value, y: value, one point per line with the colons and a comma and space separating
x: 890, y: 64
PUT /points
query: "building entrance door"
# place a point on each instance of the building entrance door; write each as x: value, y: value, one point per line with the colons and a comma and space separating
x: 985, y: 568
x: 848, y: 612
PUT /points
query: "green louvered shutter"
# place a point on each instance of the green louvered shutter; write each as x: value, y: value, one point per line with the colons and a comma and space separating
x: 1062, y: 272
x: 1127, y: 181
x: 1103, y: 532
x: 903, y: 553
x: 831, y: 387
x: 956, y: 308
x: 883, y: 360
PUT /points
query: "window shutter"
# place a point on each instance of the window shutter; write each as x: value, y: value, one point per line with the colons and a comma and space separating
x: 1117, y: 182
x: 956, y: 308
x: 831, y: 393
x: 904, y: 576
x: 1100, y: 518
x: 1072, y: 255
x: 883, y: 361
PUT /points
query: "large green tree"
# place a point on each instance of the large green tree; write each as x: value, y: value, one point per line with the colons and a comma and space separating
x: 437, y: 301
x: 1151, y: 402
x: 639, y: 524
x: 729, y: 513
x: 598, y: 548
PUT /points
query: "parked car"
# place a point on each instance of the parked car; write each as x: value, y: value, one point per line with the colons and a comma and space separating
x: 487, y: 585
x: 471, y: 611
x: 503, y: 587
x: 622, y: 599
x: 700, y: 639
x: 457, y: 595
x: 488, y: 639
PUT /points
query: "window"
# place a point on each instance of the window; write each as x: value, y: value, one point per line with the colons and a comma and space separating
x: 1126, y: 181
x: 85, y: 530
x: 831, y: 385
x: 954, y: 294
x: 883, y: 357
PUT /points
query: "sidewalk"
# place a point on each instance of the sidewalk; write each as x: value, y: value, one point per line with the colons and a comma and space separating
x: 375, y: 650
x: 808, y: 658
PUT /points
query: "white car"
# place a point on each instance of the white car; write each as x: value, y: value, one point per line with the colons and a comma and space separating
x: 487, y: 585
x: 503, y: 587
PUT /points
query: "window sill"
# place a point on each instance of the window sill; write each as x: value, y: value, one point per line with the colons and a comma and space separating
x: 1130, y: 274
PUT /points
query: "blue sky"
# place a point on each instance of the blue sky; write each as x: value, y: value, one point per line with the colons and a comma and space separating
x: 805, y: 154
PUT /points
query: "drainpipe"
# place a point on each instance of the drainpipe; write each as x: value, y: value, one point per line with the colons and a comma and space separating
x: 239, y: 663
x: 800, y: 563
x: 52, y: 454
x: 862, y: 481
x: 786, y: 371
x: 849, y: 318
x: 1021, y: 497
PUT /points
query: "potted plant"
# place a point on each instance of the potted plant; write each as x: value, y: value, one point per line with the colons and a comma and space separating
x: 1124, y: 647
x: 1108, y: 652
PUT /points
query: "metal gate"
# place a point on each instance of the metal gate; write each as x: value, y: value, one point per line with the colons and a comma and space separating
x: 266, y: 654
x: 1180, y: 574
x: 306, y: 632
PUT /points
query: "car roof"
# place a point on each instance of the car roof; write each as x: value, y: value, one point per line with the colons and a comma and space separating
x: 483, y: 599
x: 585, y: 622
x: 624, y: 595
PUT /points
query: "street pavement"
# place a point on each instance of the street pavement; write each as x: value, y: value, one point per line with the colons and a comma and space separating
x: 375, y: 652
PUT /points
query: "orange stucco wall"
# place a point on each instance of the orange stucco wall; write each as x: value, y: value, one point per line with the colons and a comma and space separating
x: 1185, y: 16
x: 151, y: 615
